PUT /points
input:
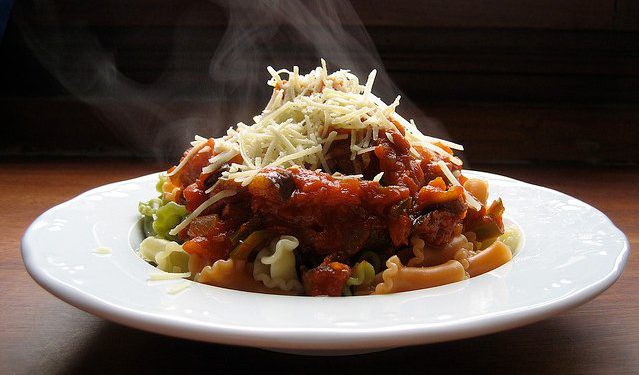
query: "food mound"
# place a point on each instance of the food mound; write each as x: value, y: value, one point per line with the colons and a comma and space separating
x: 328, y: 192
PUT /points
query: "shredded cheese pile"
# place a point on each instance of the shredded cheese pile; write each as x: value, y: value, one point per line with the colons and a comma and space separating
x: 304, y: 116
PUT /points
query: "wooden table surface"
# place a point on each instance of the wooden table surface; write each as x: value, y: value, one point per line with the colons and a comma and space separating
x: 41, y: 334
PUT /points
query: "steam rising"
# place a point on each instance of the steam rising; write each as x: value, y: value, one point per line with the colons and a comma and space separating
x: 208, y: 83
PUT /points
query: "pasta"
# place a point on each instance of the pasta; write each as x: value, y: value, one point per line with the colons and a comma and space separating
x: 488, y: 259
x: 398, y: 278
x: 362, y: 279
x: 168, y: 255
x: 234, y: 274
x: 458, y: 249
x: 511, y: 238
x: 478, y: 188
x: 329, y: 191
x: 275, y: 266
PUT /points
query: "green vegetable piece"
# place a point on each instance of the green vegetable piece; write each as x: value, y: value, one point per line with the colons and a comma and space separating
x: 373, y: 259
x: 363, y: 274
x: 162, y: 179
x: 149, y: 208
x: 169, y: 256
x: 147, y: 226
x: 168, y: 217
x: 176, y: 261
x: 252, y: 242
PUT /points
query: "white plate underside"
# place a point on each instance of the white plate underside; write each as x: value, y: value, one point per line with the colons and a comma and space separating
x: 572, y: 252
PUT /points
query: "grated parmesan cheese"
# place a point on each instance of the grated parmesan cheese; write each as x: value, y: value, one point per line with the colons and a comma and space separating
x: 194, y: 150
x: 157, y: 276
x: 103, y: 250
x: 219, y: 196
x: 472, y: 202
x: 178, y: 288
x: 304, y: 117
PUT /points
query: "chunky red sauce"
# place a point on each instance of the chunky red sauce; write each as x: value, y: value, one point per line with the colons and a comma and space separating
x: 332, y: 218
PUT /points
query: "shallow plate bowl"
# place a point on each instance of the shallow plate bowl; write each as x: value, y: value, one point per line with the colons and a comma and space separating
x: 571, y: 252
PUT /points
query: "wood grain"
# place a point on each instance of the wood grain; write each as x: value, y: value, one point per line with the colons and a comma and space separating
x: 40, y: 334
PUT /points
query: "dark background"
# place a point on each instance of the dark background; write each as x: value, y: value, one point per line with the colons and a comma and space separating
x: 539, y: 81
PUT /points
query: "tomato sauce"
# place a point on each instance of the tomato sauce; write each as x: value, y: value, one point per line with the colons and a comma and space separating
x: 333, y: 218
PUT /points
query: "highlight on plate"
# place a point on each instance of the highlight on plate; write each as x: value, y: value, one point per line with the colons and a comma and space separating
x: 328, y: 192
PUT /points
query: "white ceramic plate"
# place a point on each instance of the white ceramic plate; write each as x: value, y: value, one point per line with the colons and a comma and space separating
x: 571, y: 253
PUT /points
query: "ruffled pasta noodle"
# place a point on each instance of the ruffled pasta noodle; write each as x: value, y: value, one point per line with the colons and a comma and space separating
x: 459, y: 249
x: 472, y: 238
x: 488, y: 259
x: 275, y: 265
x: 418, y: 252
x: 399, y: 278
x: 234, y: 274
x: 168, y: 255
x: 197, y: 263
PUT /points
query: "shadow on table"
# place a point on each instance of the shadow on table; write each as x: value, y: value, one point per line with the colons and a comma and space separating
x: 559, y: 347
